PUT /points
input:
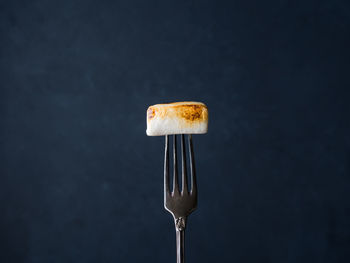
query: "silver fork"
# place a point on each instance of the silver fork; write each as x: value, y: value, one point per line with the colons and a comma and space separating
x: 180, y: 203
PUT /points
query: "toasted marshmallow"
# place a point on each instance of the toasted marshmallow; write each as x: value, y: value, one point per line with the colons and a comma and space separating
x: 187, y: 117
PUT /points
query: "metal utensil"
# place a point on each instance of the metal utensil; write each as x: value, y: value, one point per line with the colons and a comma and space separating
x: 180, y: 203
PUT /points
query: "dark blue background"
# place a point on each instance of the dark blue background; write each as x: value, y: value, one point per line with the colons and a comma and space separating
x: 81, y: 182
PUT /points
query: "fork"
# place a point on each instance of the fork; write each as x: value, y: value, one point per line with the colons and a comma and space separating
x: 180, y: 202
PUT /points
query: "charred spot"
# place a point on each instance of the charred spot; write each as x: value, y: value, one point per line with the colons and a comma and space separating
x: 150, y: 113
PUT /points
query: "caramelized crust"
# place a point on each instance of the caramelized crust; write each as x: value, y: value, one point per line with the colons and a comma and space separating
x: 190, y: 111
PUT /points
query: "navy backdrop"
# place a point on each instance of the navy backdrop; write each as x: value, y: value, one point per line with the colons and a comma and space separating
x: 81, y: 182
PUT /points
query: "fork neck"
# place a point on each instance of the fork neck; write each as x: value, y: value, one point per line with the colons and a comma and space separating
x: 180, y: 223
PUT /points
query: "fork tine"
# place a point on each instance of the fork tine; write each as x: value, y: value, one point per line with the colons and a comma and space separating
x: 184, y: 168
x: 192, y: 166
x: 175, y: 177
x: 166, y: 165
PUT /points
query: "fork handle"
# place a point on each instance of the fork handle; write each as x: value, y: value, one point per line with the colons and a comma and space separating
x: 180, y: 246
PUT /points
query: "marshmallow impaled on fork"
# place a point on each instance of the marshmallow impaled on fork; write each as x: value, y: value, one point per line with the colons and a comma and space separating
x: 177, y: 118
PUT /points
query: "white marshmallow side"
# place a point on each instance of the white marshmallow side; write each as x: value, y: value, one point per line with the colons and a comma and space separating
x: 164, y: 126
